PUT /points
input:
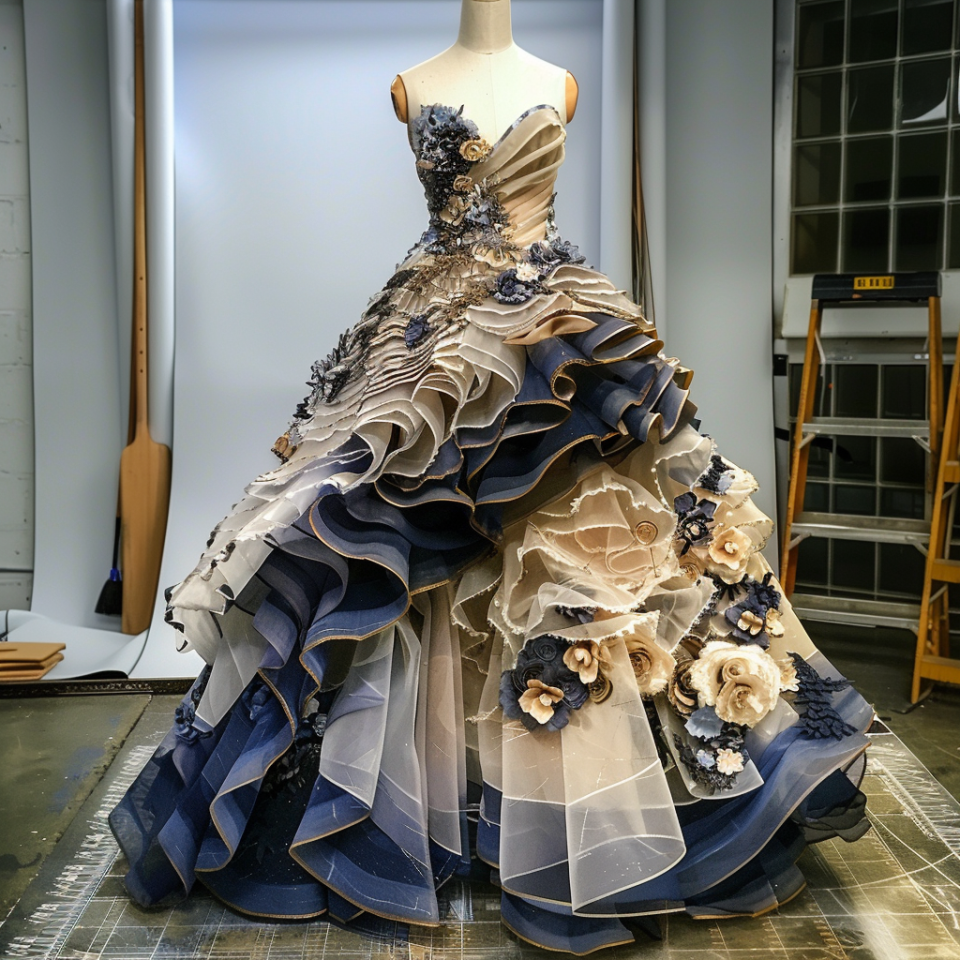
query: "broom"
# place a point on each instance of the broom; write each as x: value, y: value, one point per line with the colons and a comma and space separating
x: 110, y: 602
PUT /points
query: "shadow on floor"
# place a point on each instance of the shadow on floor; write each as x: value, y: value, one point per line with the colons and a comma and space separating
x: 880, y: 662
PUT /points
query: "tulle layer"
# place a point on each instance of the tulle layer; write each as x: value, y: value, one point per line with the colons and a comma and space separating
x: 346, y: 752
x: 367, y: 828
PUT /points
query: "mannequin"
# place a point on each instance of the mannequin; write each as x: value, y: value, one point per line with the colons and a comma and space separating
x: 487, y: 72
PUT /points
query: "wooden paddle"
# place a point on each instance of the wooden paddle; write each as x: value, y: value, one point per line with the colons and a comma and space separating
x: 144, y: 464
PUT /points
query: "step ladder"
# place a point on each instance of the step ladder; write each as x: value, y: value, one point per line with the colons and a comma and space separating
x: 854, y: 289
x: 933, y: 663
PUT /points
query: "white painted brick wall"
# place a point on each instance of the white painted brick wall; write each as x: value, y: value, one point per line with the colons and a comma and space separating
x: 16, y: 335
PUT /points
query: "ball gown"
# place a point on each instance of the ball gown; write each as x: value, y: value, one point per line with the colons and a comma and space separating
x: 498, y: 610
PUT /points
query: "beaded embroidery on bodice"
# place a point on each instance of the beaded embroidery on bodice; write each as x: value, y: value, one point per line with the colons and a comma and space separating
x: 491, y: 239
x: 492, y: 201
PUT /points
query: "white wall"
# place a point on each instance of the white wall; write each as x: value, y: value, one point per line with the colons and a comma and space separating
x: 16, y: 353
x: 719, y: 209
x: 76, y: 362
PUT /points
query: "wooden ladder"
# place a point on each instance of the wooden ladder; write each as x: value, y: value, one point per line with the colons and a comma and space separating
x: 933, y: 663
x: 852, y: 289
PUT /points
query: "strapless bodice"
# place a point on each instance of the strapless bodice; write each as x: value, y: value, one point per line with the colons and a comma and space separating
x: 482, y: 198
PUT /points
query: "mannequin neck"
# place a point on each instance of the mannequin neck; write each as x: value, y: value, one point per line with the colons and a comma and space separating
x: 485, y: 26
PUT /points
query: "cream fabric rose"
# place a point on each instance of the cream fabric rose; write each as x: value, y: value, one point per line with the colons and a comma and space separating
x: 462, y: 183
x: 681, y: 693
x: 527, y: 271
x: 788, y: 676
x: 652, y: 665
x: 746, y: 700
x: 584, y: 658
x: 742, y: 682
x: 474, y: 150
x: 730, y: 548
x: 539, y: 700
x: 729, y: 761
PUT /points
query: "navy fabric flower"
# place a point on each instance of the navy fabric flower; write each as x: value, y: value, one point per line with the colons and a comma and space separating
x: 549, y: 255
x: 183, y: 718
x: 298, y: 764
x: 484, y: 213
x: 756, y: 617
x: 717, y: 478
x: 185, y: 714
x: 541, y: 662
x: 416, y: 330
x: 714, y: 761
x: 255, y: 698
x: 510, y: 289
x: 695, y: 517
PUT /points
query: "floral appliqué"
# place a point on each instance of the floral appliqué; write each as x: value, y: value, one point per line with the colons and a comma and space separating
x: 695, y: 518
x: 298, y: 764
x: 818, y: 719
x: 718, y: 477
x: 717, y: 752
x: 417, y: 328
x: 185, y: 715
x: 756, y: 618
x: 541, y: 690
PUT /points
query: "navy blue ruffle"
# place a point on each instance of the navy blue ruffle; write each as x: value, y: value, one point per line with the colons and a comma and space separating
x: 209, y: 804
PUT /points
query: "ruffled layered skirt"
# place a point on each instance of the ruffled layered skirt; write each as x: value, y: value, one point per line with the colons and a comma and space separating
x: 500, y: 614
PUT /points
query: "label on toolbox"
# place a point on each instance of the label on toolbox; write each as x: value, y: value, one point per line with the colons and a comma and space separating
x: 873, y: 283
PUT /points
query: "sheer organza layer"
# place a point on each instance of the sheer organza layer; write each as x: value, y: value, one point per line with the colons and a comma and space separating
x: 497, y: 456
x: 401, y: 619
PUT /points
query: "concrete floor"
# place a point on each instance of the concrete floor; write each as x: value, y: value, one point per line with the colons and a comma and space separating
x: 54, y: 752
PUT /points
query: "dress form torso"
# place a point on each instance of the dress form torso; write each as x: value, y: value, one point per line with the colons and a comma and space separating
x: 486, y: 72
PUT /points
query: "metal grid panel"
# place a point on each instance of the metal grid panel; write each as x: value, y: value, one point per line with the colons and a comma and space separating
x: 828, y: 154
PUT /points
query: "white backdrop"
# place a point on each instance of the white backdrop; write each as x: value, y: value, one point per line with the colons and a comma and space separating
x: 296, y: 196
x: 76, y: 357
x: 719, y: 173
